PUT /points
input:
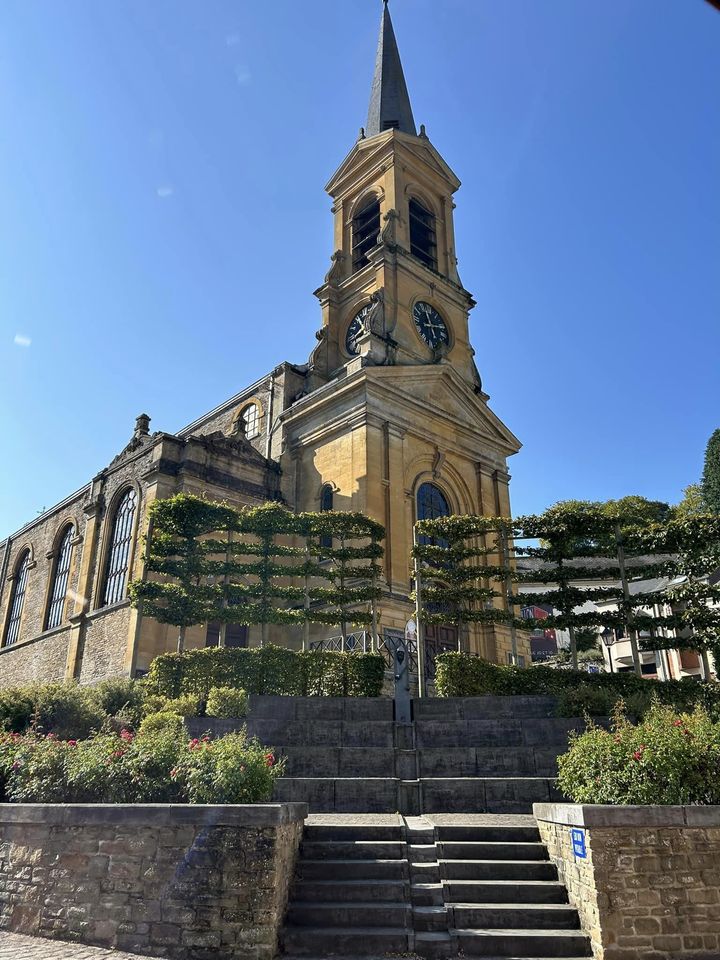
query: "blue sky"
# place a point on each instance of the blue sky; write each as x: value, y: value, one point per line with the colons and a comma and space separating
x: 163, y: 222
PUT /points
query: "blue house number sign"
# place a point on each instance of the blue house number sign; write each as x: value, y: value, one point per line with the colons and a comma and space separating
x: 578, y: 844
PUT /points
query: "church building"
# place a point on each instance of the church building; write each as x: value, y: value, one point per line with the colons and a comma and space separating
x: 388, y: 416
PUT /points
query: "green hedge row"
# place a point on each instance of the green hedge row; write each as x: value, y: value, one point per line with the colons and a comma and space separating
x: 462, y: 675
x: 267, y: 670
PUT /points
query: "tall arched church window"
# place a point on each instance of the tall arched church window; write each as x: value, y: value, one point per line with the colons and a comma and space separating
x: 365, y: 230
x: 327, y: 497
x: 251, y: 418
x: 17, y: 601
x: 118, y: 560
x: 61, y: 573
x: 423, y: 244
x: 431, y: 504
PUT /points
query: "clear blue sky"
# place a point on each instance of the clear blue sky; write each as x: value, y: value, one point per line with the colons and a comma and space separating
x: 163, y: 222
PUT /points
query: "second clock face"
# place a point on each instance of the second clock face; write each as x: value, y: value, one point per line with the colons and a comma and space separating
x: 356, y: 330
x: 430, y: 325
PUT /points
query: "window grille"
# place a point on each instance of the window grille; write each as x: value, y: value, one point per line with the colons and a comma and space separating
x: 326, y: 504
x: 422, y: 235
x: 60, y: 581
x: 119, y: 551
x: 18, y: 599
x: 366, y: 227
x: 251, y: 418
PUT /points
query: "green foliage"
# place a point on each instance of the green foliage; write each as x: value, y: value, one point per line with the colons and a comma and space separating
x: 119, y: 696
x: 711, y: 474
x: 267, y: 670
x: 162, y: 720
x: 65, y: 709
x: 259, y: 565
x: 462, y: 675
x: 692, y: 502
x: 669, y: 758
x: 159, y: 765
x: 232, y: 769
x: 227, y: 702
x: 16, y: 708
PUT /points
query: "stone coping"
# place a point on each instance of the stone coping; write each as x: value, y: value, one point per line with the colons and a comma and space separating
x: 149, y: 814
x: 599, y: 815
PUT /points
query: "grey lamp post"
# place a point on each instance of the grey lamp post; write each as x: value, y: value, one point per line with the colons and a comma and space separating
x: 609, y: 639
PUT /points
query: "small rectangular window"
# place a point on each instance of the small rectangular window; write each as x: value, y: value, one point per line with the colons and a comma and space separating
x: 366, y: 228
x: 422, y: 235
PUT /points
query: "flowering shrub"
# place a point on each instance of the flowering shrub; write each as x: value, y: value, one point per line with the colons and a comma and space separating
x: 227, y: 702
x: 668, y: 758
x: 155, y: 766
x: 232, y: 769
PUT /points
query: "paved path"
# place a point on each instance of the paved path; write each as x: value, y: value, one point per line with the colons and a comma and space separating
x: 16, y: 947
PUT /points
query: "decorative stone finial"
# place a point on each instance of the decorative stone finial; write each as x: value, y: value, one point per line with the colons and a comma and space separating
x: 422, y: 131
x: 142, y: 426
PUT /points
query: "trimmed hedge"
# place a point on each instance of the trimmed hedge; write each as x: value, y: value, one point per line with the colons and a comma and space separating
x: 462, y: 675
x: 267, y: 670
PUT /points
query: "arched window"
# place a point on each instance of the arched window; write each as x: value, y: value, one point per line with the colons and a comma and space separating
x: 118, y: 559
x: 251, y: 418
x: 61, y: 573
x: 422, y: 234
x: 365, y: 230
x: 326, y: 504
x: 431, y: 504
x: 12, y: 631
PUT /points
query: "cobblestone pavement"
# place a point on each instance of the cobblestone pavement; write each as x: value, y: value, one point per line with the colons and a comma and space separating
x: 13, y: 946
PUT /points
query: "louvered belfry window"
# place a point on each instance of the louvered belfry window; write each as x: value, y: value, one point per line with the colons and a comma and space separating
x: 366, y: 227
x: 60, y: 580
x: 422, y: 235
x: 118, y: 560
x: 18, y: 599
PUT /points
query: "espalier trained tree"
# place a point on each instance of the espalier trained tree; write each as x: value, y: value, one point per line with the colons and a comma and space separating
x: 590, y: 552
x: 260, y: 565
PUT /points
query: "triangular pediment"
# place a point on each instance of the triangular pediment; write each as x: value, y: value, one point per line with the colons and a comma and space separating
x: 435, y: 394
x: 366, y: 154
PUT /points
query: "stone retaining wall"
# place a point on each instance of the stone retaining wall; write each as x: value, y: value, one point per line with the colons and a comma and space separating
x: 649, y: 884
x: 183, y: 882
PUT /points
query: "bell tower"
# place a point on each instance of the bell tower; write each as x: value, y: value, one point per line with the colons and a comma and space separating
x: 393, y: 420
x: 393, y: 295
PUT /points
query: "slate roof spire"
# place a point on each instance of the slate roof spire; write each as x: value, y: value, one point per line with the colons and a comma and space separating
x: 389, y: 100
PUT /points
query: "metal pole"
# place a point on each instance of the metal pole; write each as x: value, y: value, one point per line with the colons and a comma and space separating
x: 626, y: 593
x: 419, y: 628
x: 609, y: 650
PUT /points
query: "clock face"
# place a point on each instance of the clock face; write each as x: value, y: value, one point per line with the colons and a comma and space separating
x: 357, y: 329
x: 430, y: 325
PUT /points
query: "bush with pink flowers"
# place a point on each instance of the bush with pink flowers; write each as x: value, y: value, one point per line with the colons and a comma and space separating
x: 668, y: 758
x: 157, y: 766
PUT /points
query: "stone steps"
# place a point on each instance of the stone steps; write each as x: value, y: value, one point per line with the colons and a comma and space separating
x: 484, y: 887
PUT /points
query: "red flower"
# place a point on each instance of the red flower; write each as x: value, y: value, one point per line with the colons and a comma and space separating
x: 194, y: 744
x: 638, y: 753
x: 118, y: 753
x: 269, y: 760
x: 126, y: 736
x: 72, y: 743
x: 678, y: 723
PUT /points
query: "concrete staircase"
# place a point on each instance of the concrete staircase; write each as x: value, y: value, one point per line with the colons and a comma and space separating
x: 480, y: 886
x: 480, y: 754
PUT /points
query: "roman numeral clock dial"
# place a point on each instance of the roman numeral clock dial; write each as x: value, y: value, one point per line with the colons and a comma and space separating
x: 357, y: 329
x: 430, y: 326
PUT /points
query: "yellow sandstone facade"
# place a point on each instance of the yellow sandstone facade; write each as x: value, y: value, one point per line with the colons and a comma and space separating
x: 388, y: 417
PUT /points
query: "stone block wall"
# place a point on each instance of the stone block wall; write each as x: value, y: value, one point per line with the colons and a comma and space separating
x: 182, y: 882
x: 649, y: 885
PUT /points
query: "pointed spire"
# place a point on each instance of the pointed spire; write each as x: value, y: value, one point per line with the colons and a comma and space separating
x: 389, y: 100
